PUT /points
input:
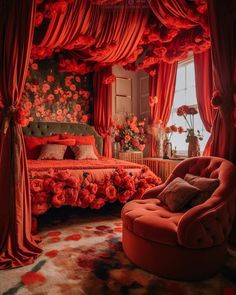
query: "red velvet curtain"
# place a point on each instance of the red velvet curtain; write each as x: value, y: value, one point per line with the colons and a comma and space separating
x: 223, y: 57
x: 163, y: 87
x: 204, y: 91
x: 103, y: 108
x: 17, y: 246
x: 96, y: 33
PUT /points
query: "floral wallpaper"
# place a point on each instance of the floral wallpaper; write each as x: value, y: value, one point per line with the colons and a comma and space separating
x: 51, y: 95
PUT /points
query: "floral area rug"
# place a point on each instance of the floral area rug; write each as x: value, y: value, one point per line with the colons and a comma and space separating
x: 83, y: 255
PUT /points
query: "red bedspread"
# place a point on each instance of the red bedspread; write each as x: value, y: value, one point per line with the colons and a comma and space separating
x: 86, y: 183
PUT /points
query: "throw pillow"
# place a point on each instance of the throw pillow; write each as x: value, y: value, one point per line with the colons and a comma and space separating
x: 34, y: 144
x: 206, y: 185
x: 177, y: 194
x: 203, y: 183
x: 52, y: 152
x: 63, y: 141
x: 84, y: 152
x: 82, y: 139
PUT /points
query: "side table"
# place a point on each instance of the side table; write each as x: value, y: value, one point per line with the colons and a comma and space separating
x: 161, y: 167
x: 132, y: 156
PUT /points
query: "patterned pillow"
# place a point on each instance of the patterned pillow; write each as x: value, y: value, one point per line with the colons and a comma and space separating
x: 177, y: 194
x: 52, y: 152
x: 84, y: 152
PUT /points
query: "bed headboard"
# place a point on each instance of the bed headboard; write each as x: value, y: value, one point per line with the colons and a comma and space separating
x: 50, y: 128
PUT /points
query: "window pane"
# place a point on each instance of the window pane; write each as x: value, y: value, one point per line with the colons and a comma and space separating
x: 190, y: 76
x: 180, y: 79
x: 185, y: 93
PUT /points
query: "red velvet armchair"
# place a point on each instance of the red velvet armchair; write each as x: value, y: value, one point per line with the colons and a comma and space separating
x: 186, y: 245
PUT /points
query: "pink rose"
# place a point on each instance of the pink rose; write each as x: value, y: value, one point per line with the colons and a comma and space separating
x: 72, y: 87
x: 50, y: 78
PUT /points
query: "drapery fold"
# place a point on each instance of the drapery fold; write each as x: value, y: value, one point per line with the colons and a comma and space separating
x: 222, y: 37
x: 96, y: 33
x: 17, y: 246
x: 103, y: 108
x: 204, y: 91
x: 162, y: 86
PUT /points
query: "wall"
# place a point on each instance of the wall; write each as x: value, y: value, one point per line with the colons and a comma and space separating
x: 137, y: 103
x: 58, y: 97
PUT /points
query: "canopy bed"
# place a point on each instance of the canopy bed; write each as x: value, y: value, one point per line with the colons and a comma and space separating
x: 79, y: 182
x: 150, y: 35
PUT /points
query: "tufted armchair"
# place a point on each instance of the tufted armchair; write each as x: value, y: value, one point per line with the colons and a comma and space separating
x: 186, y: 245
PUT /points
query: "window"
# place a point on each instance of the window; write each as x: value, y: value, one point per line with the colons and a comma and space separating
x: 185, y: 94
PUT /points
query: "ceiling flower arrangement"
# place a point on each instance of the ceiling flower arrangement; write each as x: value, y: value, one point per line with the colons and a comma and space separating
x: 55, y: 97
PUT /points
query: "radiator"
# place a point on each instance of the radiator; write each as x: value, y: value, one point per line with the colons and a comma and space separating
x: 161, y: 167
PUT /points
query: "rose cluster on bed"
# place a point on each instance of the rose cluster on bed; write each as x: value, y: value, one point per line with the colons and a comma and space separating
x: 59, y: 188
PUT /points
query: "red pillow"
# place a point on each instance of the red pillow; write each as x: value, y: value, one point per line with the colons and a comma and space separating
x: 33, y: 145
x: 68, y: 141
x: 82, y: 139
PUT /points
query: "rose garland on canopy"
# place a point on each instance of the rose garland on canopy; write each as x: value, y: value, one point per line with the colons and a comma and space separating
x: 168, y: 40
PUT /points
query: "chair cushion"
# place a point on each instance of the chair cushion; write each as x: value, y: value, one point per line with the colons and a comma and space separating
x: 150, y: 220
x: 177, y: 194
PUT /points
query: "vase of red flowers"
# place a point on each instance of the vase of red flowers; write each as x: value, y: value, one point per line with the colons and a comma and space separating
x: 167, y: 145
x: 130, y: 135
x: 193, y: 136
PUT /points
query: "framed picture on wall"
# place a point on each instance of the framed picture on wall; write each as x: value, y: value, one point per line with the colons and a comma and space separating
x: 123, y: 91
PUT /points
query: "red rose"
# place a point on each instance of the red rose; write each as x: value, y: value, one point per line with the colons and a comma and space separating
x: 62, y: 176
x: 40, y: 197
x: 86, y: 201
x: 48, y: 184
x: 83, y: 193
x: 128, y: 183
x: 59, y: 199
x: 58, y: 187
x: 39, y: 208
x: 192, y: 111
x: 36, y: 185
x: 173, y: 128
x: 72, y: 181
x: 143, y: 183
x: 92, y: 187
x: 111, y: 193
x: 117, y: 180
x: 124, y: 197
x: 71, y: 195
x: 97, y: 203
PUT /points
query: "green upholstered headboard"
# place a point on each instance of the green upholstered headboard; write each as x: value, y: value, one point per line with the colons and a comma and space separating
x: 50, y: 128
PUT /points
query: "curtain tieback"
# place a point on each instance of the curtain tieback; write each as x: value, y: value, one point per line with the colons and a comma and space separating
x: 7, y: 118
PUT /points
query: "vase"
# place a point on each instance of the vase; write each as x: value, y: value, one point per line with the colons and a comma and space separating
x: 167, y: 149
x: 193, y: 146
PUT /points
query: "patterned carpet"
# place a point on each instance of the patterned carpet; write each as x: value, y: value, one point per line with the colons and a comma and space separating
x: 83, y: 255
